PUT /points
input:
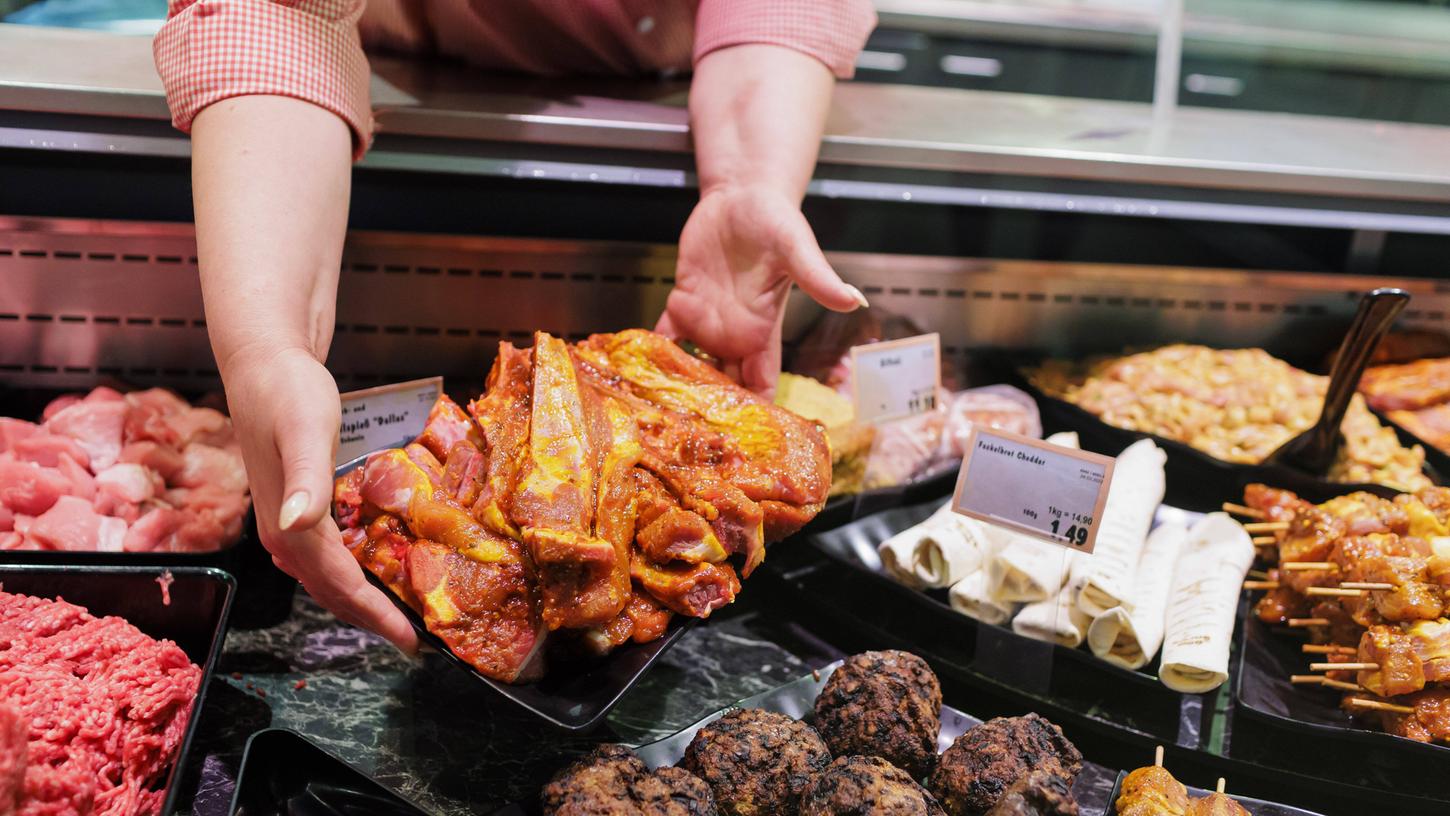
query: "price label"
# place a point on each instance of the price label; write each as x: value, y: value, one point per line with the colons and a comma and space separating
x: 388, y: 416
x: 897, y: 378
x: 1034, y: 488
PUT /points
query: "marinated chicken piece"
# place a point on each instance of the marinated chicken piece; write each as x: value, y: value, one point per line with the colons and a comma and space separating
x: 1409, y: 657
x: 756, y: 762
x: 1277, y: 504
x: 1430, y: 721
x: 983, y: 763
x: 1278, y: 605
x: 1152, y: 791
x: 1217, y: 804
x: 866, y: 786
x: 885, y: 704
x: 611, y: 781
x: 1039, y: 793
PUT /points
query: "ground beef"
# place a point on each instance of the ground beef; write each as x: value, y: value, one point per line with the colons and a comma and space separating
x: 106, y: 707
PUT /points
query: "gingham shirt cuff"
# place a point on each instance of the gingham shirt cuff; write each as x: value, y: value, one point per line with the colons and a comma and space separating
x: 210, y: 50
x: 832, y: 31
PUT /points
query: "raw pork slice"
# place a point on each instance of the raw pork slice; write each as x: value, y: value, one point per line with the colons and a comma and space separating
x: 28, y: 488
x: 165, y: 461
x: 72, y: 524
x: 96, y: 426
x: 14, y: 430
x: 206, y: 465
x: 46, y: 449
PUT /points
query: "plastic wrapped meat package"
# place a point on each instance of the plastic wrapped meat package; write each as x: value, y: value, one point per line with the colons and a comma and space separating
x: 932, y: 442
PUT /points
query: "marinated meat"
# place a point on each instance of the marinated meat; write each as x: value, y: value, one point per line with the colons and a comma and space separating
x: 866, y: 786
x: 612, y: 781
x: 885, y: 704
x: 756, y: 762
x: 976, y: 771
x: 1152, y: 791
x: 1039, y: 793
x: 1217, y: 804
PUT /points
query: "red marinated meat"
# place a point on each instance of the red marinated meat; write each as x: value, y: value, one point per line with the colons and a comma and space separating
x: 106, y: 706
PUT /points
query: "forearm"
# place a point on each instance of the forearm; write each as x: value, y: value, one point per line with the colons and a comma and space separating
x: 271, y: 178
x: 757, y: 113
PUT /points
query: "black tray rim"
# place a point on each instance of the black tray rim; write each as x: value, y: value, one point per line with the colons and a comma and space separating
x: 679, y: 625
x: 1289, y: 810
x: 273, y: 733
x: 208, y: 669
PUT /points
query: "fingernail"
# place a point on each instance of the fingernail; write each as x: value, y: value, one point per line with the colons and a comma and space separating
x: 860, y: 298
x: 292, y: 509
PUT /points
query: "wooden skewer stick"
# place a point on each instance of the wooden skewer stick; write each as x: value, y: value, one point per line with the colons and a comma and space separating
x: 1241, y: 510
x: 1258, y: 574
x: 1360, y: 702
x: 1307, y: 679
x: 1266, y: 526
x: 1333, y: 592
x: 1341, y: 685
x: 1158, y: 756
x: 1372, y: 586
x: 1264, y: 541
x: 1221, y: 785
x: 1307, y: 566
x: 1299, y: 623
x: 1316, y: 648
x: 1261, y: 584
x: 1344, y: 667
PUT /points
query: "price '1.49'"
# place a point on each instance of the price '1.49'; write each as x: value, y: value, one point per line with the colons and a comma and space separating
x: 1076, y: 533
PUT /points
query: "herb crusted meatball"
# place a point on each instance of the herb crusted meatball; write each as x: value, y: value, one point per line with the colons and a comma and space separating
x: 976, y: 771
x: 1040, y: 793
x: 756, y: 762
x: 612, y: 781
x: 866, y: 786
x: 885, y: 704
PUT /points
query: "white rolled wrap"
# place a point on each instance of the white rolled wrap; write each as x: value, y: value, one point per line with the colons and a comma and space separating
x: 937, y: 552
x: 1057, y: 619
x: 972, y: 597
x: 1131, y: 637
x: 1133, y: 498
x: 1201, y: 605
x: 1029, y: 570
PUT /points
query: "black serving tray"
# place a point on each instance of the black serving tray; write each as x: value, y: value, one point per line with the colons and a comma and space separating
x: 1256, y: 807
x: 574, y: 700
x: 1278, y: 719
x: 1134, y: 700
x: 285, y: 774
x: 798, y: 699
x: 196, y: 619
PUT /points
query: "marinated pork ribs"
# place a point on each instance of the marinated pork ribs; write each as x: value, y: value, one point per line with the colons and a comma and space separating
x: 595, y: 490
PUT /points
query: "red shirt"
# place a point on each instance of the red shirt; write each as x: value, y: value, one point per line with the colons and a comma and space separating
x: 210, y: 50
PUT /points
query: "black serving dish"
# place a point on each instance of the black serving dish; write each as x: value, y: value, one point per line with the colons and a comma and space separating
x: 1134, y: 700
x: 1255, y: 807
x: 797, y: 699
x: 286, y: 774
x: 576, y: 699
x: 196, y: 619
x: 1277, y: 720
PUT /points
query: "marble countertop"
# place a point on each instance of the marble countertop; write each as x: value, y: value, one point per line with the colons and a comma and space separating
x: 437, y: 736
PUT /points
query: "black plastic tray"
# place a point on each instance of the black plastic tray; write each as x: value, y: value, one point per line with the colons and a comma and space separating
x: 1071, y: 675
x: 1196, y: 481
x: 196, y: 619
x: 797, y: 699
x: 575, y: 700
x: 285, y: 774
x: 1256, y: 807
x: 1276, y: 715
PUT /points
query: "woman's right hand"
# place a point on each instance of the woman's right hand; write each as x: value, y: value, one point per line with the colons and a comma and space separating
x: 285, y: 408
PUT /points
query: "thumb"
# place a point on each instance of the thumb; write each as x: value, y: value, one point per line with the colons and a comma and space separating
x: 812, y: 272
x: 306, y: 443
x: 666, y: 326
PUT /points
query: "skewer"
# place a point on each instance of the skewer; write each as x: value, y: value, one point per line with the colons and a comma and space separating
x: 1221, y: 785
x: 1259, y: 574
x: 1307, y: 679
x: 1264, y: 541
x: 1267, y: 526
x: 1299, y: 623
x: 1305, y: 566
x: 1341, y: 685
x: 1344, y: 667
x: 1360, y: 702
x: 1333, y: 592
x: 1158, y: 756
x: 1327, y: 649
x: 1241, y: 510
x: 1372, y: 586
x: 1261, y: 584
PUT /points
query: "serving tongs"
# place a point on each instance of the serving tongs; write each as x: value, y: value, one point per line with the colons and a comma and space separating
x: 1313, y: 451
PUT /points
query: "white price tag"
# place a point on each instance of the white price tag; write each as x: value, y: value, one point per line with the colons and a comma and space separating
x: 1035, y: 488
x: 388, y: 416
x: 897, y: 378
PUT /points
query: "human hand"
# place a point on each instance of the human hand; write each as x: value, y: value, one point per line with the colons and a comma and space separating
x: 285, y: 409
x: 739, y: 253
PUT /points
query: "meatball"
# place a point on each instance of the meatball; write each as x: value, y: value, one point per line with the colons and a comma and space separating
x: 885, y: 704
x: 1039, y: 793
x: 611, y: 781
x: 756, y: 762
x: 866, y: 786
x: 984, y: 762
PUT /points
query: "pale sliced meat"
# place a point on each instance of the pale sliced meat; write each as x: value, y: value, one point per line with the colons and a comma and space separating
x: 28, y: 488
x: 15, y: 430
x: 71, y: 524
x: 227, y: 507
x: 204, y: 425
x: 122, y: 487
x: 165, y: 461
x: 82, y: 483
x: 206, y: 465
x: 59, y: 404
x: 95, y: 426
x: 46, y: 450
x: 155, y: 531
x: 103, y: 393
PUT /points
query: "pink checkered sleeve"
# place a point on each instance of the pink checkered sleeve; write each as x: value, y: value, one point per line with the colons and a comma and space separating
x: 209, y: 50
x: 832, y: 31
